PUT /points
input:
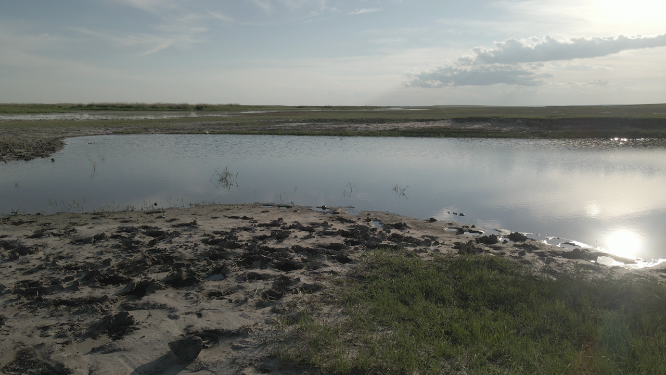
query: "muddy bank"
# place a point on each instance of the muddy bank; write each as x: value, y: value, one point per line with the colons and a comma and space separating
x: 17, y: 143
x: 199, y: 290
x: 29, y: 148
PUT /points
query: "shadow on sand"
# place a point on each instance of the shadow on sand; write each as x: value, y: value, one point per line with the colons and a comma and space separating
x: 167, y: 364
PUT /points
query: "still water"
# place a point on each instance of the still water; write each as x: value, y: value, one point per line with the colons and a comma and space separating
x: 602, y: 195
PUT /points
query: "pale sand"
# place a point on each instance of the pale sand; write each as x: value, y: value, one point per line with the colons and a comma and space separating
x: 223, y: 272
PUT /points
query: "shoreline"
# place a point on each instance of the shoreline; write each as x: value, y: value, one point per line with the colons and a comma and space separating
x: 105, y: 292
x: 27, y: 140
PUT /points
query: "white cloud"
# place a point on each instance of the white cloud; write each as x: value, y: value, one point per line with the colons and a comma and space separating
x: 309, y: 6
x: 550, y: 49
x: 299, y: 4
x: 364, y: 10
x: 451, y: 75
x: 12, y: 38
x: 264, y: 5
x: 517, y: 62
x: 220, y: 16
x: 146, y: 44
x: 153, y: 6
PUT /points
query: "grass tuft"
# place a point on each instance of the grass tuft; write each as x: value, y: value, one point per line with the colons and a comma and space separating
x: 483, y: 314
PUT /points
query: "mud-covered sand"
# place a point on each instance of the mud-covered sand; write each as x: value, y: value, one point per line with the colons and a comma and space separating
x: 105, y: 293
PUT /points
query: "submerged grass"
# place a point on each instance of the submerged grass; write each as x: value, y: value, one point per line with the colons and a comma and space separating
x: 482, y: 315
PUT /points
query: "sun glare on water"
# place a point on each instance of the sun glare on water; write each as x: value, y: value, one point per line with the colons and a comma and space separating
x: 624, y: 243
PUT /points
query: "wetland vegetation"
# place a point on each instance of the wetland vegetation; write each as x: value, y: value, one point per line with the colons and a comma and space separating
x: 479, y: 314
x: 396, y: 311
x: 30, y: 138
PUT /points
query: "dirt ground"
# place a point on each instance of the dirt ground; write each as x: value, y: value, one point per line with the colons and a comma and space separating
x: 106, y: 293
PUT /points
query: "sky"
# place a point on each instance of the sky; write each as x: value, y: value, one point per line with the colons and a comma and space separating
x: 334, y: 52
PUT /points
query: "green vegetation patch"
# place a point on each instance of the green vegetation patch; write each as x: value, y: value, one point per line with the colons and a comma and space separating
x: 14, y: 108
x: 483, y: 315
x: 446, y: 111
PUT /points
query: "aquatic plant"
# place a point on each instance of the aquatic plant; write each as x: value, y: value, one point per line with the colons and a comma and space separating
x: 399, y: 191
x: 225, y: 179
x: 94, y: 163
x: 350, y: 190
x: 283, y: 197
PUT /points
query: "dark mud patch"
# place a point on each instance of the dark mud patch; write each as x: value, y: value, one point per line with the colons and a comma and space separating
x: 115, y: 326
x: 19, y: 148
x: 27, y: 362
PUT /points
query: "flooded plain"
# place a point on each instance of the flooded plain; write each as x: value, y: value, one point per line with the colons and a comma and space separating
x: 607, y: 195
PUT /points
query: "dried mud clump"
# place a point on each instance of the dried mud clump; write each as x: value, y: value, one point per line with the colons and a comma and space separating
x: 27, y: 362
x: 488, y: 240
x: 115, y: 326
x: 517, y: 237
x: 63, y: 284
x: 12, y: 250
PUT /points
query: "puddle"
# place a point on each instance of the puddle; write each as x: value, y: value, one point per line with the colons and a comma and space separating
x: 474, y: 232
x: 570, y: 245
x: 547, y: 190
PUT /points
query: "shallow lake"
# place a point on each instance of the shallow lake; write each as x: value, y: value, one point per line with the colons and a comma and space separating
x: 604, y: 195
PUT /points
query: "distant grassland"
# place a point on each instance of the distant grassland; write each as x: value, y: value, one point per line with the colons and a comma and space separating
x: 623, y: 111
x: 626, y: 121
x: 9, y: 108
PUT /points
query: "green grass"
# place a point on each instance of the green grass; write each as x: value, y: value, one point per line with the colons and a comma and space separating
x: 15, y: 108
x: 636, y: 121
x: 600, y: 111
x: 482, y: 315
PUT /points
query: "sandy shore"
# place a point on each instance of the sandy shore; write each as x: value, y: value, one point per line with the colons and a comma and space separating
x: 105, y: 293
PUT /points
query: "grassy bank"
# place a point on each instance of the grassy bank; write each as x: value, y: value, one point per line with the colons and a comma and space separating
x: 452, y: 111
x: 15, y: 108
x: 427, y: 123
x: 480, y: 315
x: 584, y: 122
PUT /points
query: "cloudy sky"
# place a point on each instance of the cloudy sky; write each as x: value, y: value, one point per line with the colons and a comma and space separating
x: 335, y: 52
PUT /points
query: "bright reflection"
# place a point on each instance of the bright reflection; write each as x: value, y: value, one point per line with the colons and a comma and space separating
x: 624, y: 243
x: 592, y: 209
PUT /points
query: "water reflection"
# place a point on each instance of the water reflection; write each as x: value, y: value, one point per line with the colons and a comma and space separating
x: 225, y: 179
x: 553, y: 189
x: 593, y: 209
x: 624, y: 243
